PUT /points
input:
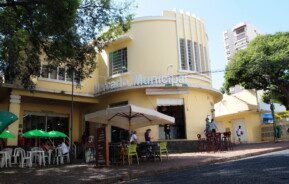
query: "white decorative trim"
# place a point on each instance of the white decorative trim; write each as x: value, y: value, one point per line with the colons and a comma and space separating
x: 15, y: 99
x: 193, y: 44
x: 190, y: 86
x: 186, y: 42
x: 118, y: 75
x: 153, y: 18
x: 169, y: 101
x: 50, y: 90
x: 178, y: 40
x: 203, y: 46
x: 200, y: 56
x: 160, y: 91
x: 58, y: 81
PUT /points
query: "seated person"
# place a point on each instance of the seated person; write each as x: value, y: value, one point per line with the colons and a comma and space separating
x: 65, y: 148
x: 45, y: 146
x: 133, y: 138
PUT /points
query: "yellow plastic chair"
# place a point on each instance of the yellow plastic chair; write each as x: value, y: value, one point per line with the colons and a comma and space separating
x: 131, y: 151
x: 163, y: 149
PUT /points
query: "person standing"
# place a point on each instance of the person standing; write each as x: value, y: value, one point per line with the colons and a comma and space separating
x: 239, y: 133
x: 213, y: 126
x: 133, y: 138
x: 167, y: 130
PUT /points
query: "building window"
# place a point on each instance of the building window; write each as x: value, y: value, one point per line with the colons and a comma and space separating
x: 45, y: 73
x: 183, y: 54
x: 53, y: 73
x: 198, y: 62
x: 61, y: 74
x: 56, y: 74
x: 191, y: 55
x: 118, y: 62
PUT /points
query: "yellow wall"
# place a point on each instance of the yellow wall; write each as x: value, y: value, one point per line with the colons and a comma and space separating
x: 252, y: 122
x: 196, y: 104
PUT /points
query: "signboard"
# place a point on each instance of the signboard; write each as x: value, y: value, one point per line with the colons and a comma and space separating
x: 140, y: 80
x: 101, y: 147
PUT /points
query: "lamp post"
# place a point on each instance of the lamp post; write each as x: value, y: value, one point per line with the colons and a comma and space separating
x: 72, y: 106
x: 272, y: 107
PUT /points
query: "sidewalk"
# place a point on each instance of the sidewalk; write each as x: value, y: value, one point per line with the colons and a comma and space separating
x: 82, y: 173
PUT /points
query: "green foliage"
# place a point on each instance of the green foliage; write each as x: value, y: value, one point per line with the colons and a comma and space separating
x: 62, y: 29
x: 263, y: 65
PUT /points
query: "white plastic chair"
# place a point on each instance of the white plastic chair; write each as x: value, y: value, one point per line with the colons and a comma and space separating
x: 26, y: 159
x: 48, y: 156
x: 3, y: 160
x: 16, y: 155
x: 8, y: 155
x: 58, y: 157
x: 66, y: 156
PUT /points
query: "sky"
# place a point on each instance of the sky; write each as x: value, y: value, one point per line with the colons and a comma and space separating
x: 268, y: 16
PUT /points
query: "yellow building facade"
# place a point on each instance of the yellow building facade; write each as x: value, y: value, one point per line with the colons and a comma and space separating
x: 161, y: 63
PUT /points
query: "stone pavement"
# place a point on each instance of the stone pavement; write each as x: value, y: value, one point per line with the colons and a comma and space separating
x: 82, y: 173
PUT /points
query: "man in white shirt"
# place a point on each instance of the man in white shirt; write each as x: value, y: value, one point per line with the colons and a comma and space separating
x: 133, y: 138
x: 213, y: 126
x: 64, y: 148
x: 239, y: 133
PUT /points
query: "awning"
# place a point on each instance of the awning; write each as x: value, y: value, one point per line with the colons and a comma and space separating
x: 129, y: 117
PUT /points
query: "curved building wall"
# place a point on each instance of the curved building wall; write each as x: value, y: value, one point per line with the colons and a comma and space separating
x: 167, y: 59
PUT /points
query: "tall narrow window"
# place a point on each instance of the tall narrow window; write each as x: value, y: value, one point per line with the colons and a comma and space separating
x: 202, y: 59
x: 183, y: 54
x: 44, y: 72
x: 118, y: 62
x: 206, y: 61
x: 198, y: 62
x: 191, y: 55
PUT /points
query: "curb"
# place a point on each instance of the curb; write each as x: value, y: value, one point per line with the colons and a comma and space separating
x: 129, y: 176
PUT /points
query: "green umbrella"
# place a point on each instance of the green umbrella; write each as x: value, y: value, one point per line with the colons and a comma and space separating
x: 56, y: 134
x: 35, y: 134
x: 6, y: 135
x: 6, y: 118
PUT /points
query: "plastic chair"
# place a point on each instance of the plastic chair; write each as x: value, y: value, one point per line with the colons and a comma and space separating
x: 131, y: 151
x: 8, y: 155
x: 25, y: 158
x: 16, y: 155
x: 58, y: 157
x: 67, y: 156
x: 163, y: 149
x: 48, y: 156
x: 3, y: 160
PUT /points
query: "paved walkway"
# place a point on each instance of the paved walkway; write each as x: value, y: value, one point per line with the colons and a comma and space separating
x: 81, y: 173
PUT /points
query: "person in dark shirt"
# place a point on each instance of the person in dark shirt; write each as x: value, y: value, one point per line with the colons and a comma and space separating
x: 147, y: 136
x: 149, y: 153
x: 167, y: 130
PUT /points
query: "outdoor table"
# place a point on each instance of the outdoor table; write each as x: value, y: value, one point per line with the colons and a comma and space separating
x: 4, y: 157
x: 40, y: 154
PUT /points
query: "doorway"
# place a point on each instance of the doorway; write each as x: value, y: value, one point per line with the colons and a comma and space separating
x: 178, y: 129
x: 236, y: 124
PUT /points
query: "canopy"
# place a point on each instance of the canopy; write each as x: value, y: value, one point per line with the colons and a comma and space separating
x: 6, y: 135
x: 129, y: 117
x: 6, y: 118
x: 56, y: 134
x: 35, y: 134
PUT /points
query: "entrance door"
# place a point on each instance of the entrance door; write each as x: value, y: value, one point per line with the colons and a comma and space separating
x: 178, y: 129
x: 236, y: 124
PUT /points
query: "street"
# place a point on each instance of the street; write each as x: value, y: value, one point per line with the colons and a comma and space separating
x: 267, y: 168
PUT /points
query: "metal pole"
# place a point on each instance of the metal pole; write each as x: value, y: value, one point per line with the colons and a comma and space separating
x: 273, y: 118
x: 72, y: 94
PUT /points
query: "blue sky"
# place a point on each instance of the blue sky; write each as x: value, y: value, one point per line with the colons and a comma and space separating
x: 268, y: 16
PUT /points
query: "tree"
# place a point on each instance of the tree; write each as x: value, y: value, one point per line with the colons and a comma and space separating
x: 263, y: 65
x: 69, y: 33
